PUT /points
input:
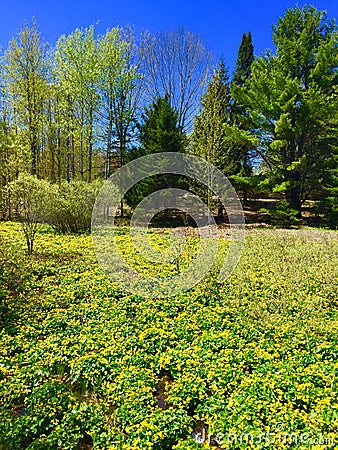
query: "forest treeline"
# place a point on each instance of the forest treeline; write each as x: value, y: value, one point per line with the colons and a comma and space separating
x: 72, y: 113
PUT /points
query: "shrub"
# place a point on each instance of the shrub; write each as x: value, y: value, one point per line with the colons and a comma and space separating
x: 282, y: 215
x: 70, y: 210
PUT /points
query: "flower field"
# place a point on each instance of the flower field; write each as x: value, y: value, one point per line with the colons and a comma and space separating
x: 249, y: 363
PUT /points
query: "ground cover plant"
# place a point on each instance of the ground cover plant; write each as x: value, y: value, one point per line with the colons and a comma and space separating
x: 85, y: 365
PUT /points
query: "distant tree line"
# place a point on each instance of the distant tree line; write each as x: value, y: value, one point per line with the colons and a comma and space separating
x: 81, y: 109
x: 67, y: 111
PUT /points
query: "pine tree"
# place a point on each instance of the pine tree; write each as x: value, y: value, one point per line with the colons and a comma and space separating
x: 291, y: 98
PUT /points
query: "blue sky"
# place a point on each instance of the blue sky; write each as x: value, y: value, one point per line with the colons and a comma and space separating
x: 220, y: 22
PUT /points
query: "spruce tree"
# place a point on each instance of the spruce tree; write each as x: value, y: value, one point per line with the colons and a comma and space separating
x: 159, y: 133
x: 328, y: 206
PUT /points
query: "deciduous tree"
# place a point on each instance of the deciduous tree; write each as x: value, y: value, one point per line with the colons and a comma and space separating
x: 26, y: 75
x: 78, y: 71
x: 178, y: 65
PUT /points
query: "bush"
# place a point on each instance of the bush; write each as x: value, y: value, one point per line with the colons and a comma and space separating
x: 66, y: 207
x: 70, y: 210
x: 282, y: 215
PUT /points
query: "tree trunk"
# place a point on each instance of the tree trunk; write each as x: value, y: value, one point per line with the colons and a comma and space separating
x: 292, y: 196
x: 73, y: 158
x: 109, y: 139
x: 245, y: 197
x: 122, y: 154
x: 90, y: 146
x: 34, y: 151
x: 58, y: 156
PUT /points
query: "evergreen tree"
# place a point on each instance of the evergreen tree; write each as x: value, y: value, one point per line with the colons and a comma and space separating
x: 328, y: 206
x: 215, y: 138
x: 209, y: 132
x: 242, y: 73
x: 159, y: 133
x: 244, y: 61
x: 291, y: 98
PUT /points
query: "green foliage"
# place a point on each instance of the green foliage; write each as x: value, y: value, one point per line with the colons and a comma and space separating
x: 328, y: 207
x: 70, y: 208
x: 72, y: 112
x: 209, y: 137
x: 249, y: 185
x: 85, y: 361
x: 121, y: 85
x: 67, y: 207
x: 78, y: 71
x: 212, y: 138
x: 329, y: 210
x: 15, y: 278
x: 26, y: 78
x: 291, y: 98
x: 283, y: 216
x: 14, y: 274
x: 245, y: 148
x: 55, y: 101
x: 159, y: 133
x: 14, y: 158
x: 29, y: 198
x: 244, y: 61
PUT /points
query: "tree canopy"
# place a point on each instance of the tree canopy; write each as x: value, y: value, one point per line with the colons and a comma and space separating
x: 83, y: 108
x: 291, y: 99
